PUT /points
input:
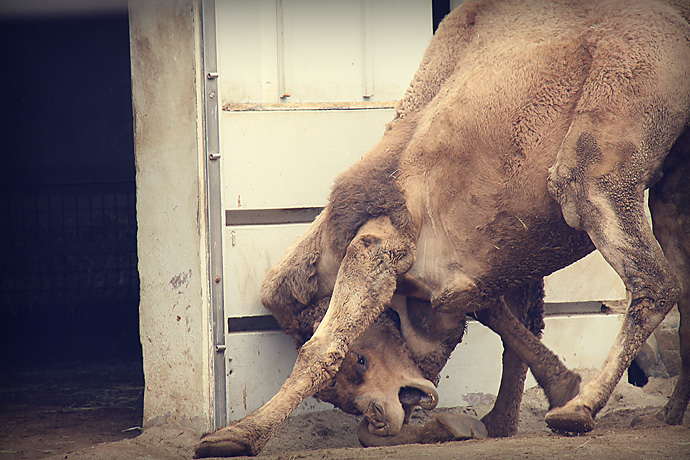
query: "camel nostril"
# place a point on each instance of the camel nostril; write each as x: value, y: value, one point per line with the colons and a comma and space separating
x: 375, y: 414
x: 378, y: 411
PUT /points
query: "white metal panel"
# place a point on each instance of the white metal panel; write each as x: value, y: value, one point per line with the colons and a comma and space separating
x: 406, y: 27
x: 473, y: 374
x: 582, y: 341
x: 474, y: 367
x: 588, y: 279
x: 322, y: 57
x: 320, y: 50
x: 287, y: 159
x: 250, y: 251
x: 258, y: 364
x: 247, y: 42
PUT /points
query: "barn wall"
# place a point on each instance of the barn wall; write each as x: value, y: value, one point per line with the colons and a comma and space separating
x: 171, y: 210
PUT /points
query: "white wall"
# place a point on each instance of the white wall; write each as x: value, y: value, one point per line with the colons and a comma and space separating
x: 171, y: 211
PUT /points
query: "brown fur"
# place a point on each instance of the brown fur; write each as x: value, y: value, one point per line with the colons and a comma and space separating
x: 369, y: 190
x: 444, y: 331
x: 526, y: 139
x: 383, y: 335
x: 292, y: 284
x: 349, y: 382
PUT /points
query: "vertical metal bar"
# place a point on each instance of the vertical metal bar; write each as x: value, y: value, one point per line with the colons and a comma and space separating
x: 284, y: 89
x: 368, y: 48
x: 213, y: 191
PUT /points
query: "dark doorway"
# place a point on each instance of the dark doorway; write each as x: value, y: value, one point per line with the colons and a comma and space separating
x: 69, y: 286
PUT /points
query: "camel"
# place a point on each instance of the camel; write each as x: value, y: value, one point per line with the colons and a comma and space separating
x: 526, y: 139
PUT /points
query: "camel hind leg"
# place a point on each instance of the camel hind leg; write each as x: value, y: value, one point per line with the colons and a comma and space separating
x: 527, y: 304
x: 669, y: 203
x: 599, y: 180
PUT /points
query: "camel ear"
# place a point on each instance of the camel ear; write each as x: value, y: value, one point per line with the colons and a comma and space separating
x: 294, y: 277
x: 399, y: 305
x: 430, y: 336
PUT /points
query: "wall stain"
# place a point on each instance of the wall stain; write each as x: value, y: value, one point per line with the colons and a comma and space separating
x: 181, y: 279
x: 474, y: 399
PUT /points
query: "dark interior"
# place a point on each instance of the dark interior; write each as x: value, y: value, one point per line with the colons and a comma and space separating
x: 70, y: 356
x: 69, y: 287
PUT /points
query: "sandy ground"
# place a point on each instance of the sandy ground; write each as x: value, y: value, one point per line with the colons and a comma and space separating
x: 61, y: 418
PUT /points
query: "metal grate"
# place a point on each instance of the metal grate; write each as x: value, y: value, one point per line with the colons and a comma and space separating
x: 62, y: 246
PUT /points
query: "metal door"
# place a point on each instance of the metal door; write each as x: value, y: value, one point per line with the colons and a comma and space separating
x: 303, y: 88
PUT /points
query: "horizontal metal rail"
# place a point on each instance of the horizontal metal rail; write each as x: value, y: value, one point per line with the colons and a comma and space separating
x: 261, y: 323
x: 307, y: 106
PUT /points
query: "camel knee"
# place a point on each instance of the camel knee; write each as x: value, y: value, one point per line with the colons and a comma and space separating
x: 652, y: 299
x: 379, y: 241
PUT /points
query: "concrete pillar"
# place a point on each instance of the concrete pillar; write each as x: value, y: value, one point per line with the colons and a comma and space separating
x: 171, y: 210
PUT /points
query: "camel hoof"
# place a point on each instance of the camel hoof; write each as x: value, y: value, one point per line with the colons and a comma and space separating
x: 565, y: 388
x: 569, y: 419
x: 499, y: 426
x: 461, y: 426
x: 225, y: 442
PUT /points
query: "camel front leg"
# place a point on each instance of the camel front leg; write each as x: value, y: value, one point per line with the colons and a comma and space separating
x: 364, y: 286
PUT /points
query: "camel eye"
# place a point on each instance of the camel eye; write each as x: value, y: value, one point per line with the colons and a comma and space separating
x: 362, y: 362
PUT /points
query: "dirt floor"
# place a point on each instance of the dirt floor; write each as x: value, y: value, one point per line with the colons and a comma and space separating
x: 95, y: 412
x: 62, y: 408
